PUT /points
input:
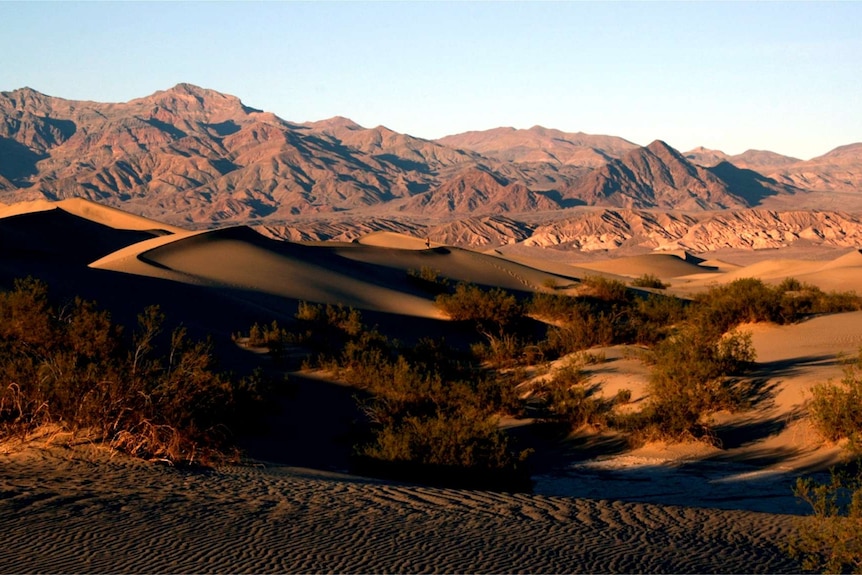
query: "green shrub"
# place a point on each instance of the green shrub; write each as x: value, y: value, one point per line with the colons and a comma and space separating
x: 429, y: 280
x: 157, y: 395
x: 488, y: 309
x: 608, y: 290
x: 836, y: 408
x: 649, y: 281
x: 566, y: 399
x: 690, y: 381
x: 830, y: 540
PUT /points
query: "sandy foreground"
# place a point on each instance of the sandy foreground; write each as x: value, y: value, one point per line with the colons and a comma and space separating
x: 73, y: 507
x: 79, y: 510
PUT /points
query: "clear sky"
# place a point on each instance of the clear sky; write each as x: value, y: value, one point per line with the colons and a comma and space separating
x: 782, y: 76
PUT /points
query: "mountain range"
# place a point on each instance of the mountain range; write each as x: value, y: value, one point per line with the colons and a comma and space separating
x: 196, y: 157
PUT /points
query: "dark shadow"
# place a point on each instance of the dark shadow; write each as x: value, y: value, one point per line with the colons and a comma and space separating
x: 416, y: 188
x: 793, y: 366
x: 166, y: 128
x: 225, y: 128
x: 515, y: 480
x: 749, y: 185
x: 312, y: 425
x: 250, y: 110
x: 554, y: 451
x: 750, y: 431
x: 223, y: 165
x: 17, y: 161
x: 556, y: 197
x: 62, y: 237
x: 65, y: 128
x: 403, y: 163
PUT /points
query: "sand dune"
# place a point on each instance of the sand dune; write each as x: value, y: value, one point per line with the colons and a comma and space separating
x: 105, y: 215
x: 664, y: 266
x: 395, y: 240
x: 660, y: 508
x: 367, y: 277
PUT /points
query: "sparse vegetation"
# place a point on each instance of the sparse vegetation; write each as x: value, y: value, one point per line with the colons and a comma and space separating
x: 691, y: 379
x: 605, y: 289
x: 570, y: 400
x: 696, y: 358
x: 429, y: 280
x: 830, y: 540
x: 649, y: 281
x: 156, y: 394
x: 490, y: 310
x: 836, y: 408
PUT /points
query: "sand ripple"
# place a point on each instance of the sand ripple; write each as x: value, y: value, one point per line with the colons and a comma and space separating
x: 74, y: 511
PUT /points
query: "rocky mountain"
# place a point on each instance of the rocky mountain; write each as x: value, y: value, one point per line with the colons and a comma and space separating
x: 198, y: 158
x: 837, y: 171
x: 542, y: 145
x: 656, y: 176
x: 762, y: 161
x: 606, y: 230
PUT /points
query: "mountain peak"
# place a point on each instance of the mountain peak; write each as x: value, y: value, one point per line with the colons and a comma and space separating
x: 663, y: 150
x: 659, y: 146
x: 187, y: 88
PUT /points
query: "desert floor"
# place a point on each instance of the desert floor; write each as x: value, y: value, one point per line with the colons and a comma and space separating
x: 69, y: 506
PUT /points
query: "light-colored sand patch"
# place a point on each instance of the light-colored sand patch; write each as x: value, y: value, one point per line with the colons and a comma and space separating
x: 664, y: 266
x: 105, y: 215
x: 395, y: 240
x: 456, y: 264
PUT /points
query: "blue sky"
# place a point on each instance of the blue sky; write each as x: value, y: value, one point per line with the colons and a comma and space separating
x: 782, y: 76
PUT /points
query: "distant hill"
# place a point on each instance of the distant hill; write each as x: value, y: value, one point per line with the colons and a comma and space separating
x: 198, y: 158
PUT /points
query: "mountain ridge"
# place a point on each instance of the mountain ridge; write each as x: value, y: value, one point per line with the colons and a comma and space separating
x: 197, y: 157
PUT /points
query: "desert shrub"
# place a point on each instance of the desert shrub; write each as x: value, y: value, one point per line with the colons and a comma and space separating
x: 490, y: 310
x: 555, y: 307
x: 830, y: 540
x: 155, y: 395
x: 605, y: 289
x: 836, y: 408
x: 745, y: 300
x: 654, y: 317
x: 271, y: 335
x: 799, y: 300
x: 550, y: 283
x: 649, y: 281
x: 427, y: 426
x: 432, y: 415
x: 751, y: 300
x: 579, y: 333
x: 690, y: 380
x: 324, y: 330
x: 500, y: 351
x: 461, y: 448
x: 568, y: 400
x: 429, y: 280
